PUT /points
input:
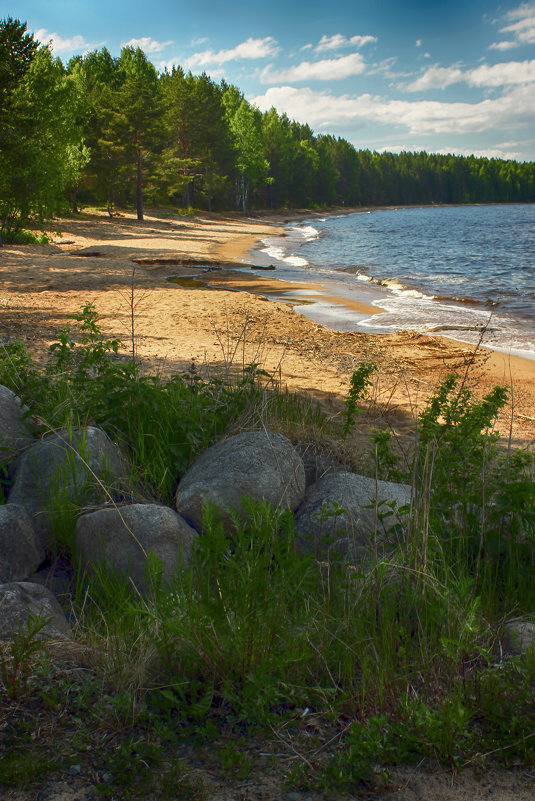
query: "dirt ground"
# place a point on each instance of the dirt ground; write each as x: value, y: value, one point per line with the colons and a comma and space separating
x: 223, y: 320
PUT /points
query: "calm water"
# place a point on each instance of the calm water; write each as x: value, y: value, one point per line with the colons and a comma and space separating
x: 452, y: 269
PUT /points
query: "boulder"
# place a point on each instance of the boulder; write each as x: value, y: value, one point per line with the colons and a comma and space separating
x: 62, y: 472
x: 339, y: 514
x: 21, y: 550
x: 15, y: 434
x: 518, y: 637
x: 18, y: 599
x: 120, y: 538
x: 258, y: 464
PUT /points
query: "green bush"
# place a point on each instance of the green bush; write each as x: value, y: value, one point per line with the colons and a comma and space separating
x: 21, y: 236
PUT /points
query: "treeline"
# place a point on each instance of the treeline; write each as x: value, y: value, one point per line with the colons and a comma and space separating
x: 105, y: 130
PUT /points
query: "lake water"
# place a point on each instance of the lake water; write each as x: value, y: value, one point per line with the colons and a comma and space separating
x: 453, y: 270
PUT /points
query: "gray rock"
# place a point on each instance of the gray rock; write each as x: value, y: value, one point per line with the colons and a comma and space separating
x: 518, y: 637
x: 15, y: 435
x: 18, y: 599
x: 258, y: 464
x: 333, y: 515
x: 62, y: 472
x: 21, y: 550
x: 121, y: 538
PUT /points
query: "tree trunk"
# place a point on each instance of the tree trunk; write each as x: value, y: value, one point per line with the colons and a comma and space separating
x: 139, y: 193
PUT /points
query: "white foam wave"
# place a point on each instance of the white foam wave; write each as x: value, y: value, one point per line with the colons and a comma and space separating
x: 278, y: 253
x: 395, y: 286
x: 308, y: 232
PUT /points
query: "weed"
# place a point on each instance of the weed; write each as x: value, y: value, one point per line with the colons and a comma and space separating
x: 358, y: 389
x: 23, y: 645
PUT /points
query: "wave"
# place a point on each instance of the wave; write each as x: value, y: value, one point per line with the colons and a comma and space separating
x: 308, y: 232
x: 280, y: 254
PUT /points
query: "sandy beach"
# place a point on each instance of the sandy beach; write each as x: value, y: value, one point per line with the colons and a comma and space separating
x: 176, y: 278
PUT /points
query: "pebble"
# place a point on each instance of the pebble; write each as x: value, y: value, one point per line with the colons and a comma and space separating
x: 75, y: 770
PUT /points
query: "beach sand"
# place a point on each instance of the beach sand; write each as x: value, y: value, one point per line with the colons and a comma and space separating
x: 216, y: 318
x: 222, y: 320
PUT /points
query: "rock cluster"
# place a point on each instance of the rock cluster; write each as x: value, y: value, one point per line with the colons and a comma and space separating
x: 78, y: 473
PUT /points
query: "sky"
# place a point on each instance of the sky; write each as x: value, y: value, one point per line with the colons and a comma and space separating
x: 445, y: 76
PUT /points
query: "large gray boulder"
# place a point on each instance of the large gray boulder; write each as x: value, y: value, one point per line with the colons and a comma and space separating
x: 120, y: 539
x: 19, y: 599
x: 258, y: 464
x: 15, y: 435
x: 21, y: 550
x: 518, y: 637
x: 346, y: 513
x: 61, y: 474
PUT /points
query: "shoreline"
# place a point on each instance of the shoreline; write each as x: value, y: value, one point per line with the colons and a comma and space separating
x: 333, y: 304
x: 123, y: 266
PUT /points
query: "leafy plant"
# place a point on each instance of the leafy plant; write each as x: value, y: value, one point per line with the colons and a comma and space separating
x: 358, y: 389
x: 20, y: 236
x: 23, y: 645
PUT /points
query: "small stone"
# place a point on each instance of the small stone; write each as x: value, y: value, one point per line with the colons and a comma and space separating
x: 75, y: 770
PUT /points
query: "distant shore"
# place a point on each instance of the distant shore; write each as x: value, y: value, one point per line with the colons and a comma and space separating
x: 122, y: 265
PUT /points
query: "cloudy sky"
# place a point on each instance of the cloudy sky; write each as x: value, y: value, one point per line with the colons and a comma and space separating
x: 385, y: 74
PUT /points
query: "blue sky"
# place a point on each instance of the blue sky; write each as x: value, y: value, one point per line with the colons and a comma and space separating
x: 385, y: 74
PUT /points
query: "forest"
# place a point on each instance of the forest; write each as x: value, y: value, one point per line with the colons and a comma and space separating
x: 112, y: 131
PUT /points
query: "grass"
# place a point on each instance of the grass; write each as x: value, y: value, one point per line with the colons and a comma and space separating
x: 22, y: 236
x: 348, y: 669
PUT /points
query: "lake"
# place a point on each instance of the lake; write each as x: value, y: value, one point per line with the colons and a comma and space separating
x: 453, y: 270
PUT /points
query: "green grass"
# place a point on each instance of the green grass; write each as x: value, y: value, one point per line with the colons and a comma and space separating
x: 21, y: 236
x: 391, y: 663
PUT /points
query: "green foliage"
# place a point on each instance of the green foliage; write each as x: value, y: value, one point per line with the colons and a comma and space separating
x: 40, y: 140
x: 23, y: 237
x: 23, y: 645
x: 358, y: 389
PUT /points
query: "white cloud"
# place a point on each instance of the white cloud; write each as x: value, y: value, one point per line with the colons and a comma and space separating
x: 328, y: 69
x: 60, y: 46
x: 147, y: 44
x: 496, y: 152
x: 418, y: 43
x: 507, y: 73
x: 338, y: 41
x: 502, y: 45
x: 435, y: 77
x: 521, y: 26
x: 201, y: 40
x: 325, y: 111
x: 250, y: 49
